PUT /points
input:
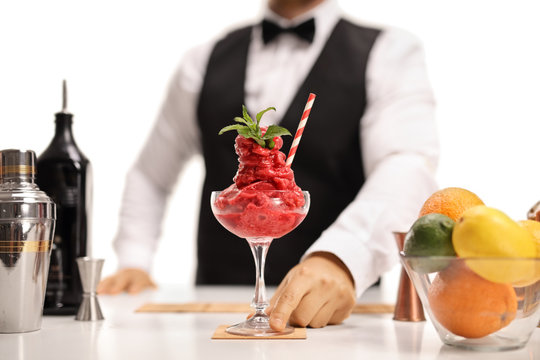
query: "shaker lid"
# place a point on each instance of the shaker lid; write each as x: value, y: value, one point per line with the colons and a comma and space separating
x: 22, y: 199
x: 17, y: 163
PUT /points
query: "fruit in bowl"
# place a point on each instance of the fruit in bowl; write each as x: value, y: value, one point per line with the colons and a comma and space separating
x: 476, y: 271
x: 451, y: 201
x: 430, y: 235
x: 485, y: 232
x: 469, y: 305
x: 470, y: 311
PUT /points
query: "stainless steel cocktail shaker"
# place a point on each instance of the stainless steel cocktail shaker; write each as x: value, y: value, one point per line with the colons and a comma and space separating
x: 27, y: 219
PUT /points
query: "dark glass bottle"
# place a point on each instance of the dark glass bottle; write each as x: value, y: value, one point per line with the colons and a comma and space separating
x: 64, y: 173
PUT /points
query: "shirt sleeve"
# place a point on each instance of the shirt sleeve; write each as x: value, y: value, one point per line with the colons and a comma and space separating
x: 172, y: 141
x: 400, y: 152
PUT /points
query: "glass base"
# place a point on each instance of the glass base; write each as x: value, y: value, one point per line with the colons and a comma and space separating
x: 489, y: 343
x: 258, y: 325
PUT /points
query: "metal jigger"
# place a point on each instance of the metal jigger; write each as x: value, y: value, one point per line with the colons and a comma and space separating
x: 408, y: 304
x: 90, y: 271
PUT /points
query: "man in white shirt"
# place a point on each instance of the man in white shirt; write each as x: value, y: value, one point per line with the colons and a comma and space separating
x: 368, y: 156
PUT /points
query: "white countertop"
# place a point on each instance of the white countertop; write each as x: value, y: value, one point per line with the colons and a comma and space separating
x: 125, y: 334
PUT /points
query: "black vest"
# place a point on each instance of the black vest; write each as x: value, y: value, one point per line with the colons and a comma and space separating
x: 328, y: 163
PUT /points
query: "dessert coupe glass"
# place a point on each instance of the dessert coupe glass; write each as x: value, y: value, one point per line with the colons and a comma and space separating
x: 260, y: 217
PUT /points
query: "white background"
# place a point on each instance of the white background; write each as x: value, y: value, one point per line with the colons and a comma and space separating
x: 117, y: 55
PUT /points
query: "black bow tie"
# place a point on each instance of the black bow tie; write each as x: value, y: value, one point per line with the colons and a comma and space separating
x: 305, y: 30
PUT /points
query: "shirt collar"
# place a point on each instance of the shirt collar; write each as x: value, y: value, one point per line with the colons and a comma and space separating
x: 326, y: 15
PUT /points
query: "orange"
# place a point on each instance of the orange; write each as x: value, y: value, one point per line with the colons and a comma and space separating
x: 468, y: 305
x: 451, y: 201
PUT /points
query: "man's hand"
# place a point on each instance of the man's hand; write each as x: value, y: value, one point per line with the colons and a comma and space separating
x: 317, y: 292
x: 131, y: 280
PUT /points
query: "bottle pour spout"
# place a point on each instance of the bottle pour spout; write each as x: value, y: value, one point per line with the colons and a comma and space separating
x: 64, y: 96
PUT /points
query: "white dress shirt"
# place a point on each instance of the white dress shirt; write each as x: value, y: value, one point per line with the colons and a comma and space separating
x: 398, y: 136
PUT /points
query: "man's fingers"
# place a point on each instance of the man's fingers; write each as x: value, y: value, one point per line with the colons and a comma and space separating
x: 288, y: 300
x: 139, y: 283
x: 317, y: 292
x: 282, y: 311
x: 136, y: 286
x: 277, y: 293
x: 308, y: 308
x: 323, y: 316
x: 105, y: 285
x: 119, y: 284
x: 339, y: 316
x: 274, y: 298
x: 132, y: 280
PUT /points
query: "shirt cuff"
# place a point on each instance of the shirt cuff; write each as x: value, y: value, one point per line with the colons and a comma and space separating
x: 358, y: 255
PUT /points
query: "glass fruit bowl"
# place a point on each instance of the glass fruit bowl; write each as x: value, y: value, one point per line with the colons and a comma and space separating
x: 478, y: 303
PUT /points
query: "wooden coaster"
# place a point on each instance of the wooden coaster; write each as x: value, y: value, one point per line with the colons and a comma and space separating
x: 373, y: 309
x: 196, y: 307
x: 245, y: 308
x: 220, y: 334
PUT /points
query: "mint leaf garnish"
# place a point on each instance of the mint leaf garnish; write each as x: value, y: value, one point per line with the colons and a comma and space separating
x: 246, y: 115
x: 231, y: 127
x: 261, y: 113
x: 274, y: 130
x: 251, y: 129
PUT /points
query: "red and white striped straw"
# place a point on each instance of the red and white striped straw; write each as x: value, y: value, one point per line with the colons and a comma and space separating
x: 300, y: 129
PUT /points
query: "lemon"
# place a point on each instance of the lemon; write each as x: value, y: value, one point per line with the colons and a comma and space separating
x: 430, y: 235
x: 533, y: 227
x: 486, y: 232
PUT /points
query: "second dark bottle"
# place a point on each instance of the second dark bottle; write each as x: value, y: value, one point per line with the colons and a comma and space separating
x: 64, y: 173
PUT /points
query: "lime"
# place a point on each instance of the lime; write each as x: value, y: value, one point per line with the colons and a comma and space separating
x: 430, y: 235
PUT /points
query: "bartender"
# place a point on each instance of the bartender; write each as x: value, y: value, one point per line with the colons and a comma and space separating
x: 367, y: 157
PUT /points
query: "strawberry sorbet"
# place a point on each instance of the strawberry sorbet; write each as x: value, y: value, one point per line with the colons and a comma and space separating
x: 264, y: 200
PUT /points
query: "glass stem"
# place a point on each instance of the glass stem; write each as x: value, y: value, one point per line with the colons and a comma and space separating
x: 259, y: 248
